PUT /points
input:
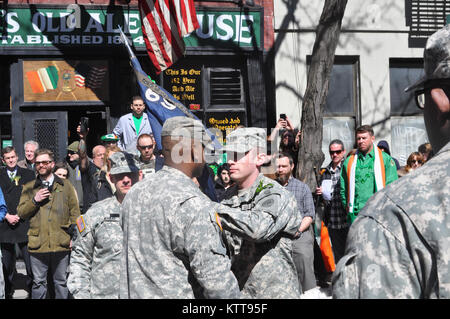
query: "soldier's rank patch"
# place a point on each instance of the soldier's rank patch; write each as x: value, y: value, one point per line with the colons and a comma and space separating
x: 218, y: 221
x: 81, y: 224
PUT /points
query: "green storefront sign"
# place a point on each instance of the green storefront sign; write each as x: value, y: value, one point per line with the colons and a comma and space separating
x: 77, y: 25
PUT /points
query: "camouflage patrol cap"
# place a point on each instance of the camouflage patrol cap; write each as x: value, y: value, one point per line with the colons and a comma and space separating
x: 436, y: 58
x: 122, y: 162
x: 244, y: 139
x: 178, y: 126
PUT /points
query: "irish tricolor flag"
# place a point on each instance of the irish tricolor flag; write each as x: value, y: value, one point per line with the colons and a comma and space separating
x: 43, y: 79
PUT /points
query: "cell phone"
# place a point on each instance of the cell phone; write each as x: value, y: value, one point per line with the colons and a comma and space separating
x: 45, y: 185
x: 84, y: 124
x: 283, y: 116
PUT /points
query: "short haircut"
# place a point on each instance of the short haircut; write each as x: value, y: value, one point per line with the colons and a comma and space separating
x: 365, y: 129
x: 43, y: 151
x: 281, y: 155
x: 8, y: 149
x: 338, y: 142
x: 136, y: 97
x: 32, y: 143
x: 143, y: 136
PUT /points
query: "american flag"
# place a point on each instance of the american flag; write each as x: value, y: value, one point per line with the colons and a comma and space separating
x: 164, y: 24
x: 89, y: 76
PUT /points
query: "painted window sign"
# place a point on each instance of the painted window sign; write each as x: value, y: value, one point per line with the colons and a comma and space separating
x: 65, y: 80
x: 66, y: 26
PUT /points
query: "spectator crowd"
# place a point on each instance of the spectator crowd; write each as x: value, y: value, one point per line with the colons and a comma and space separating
x: 138, y: 221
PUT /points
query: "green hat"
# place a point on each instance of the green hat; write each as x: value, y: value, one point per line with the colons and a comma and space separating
x: 110, y: 138
x: 73, y: 146
x: 122, y: 162
x: 244, y: 139
x: 178, y: 126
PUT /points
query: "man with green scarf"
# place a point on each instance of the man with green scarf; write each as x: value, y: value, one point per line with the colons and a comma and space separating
x: 365, y: 173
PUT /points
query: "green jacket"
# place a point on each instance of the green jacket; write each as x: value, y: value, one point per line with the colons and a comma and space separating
x: 53, y: 222
x: 365, y: 185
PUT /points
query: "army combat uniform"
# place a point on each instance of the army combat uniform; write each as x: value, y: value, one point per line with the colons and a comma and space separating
x: 97, y: 249
x: 260, y: 236
x: 95, y: 257
x: 398, y: 247
x: 172, y: 242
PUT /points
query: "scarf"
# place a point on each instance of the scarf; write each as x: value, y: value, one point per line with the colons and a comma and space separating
x: 380, y: 177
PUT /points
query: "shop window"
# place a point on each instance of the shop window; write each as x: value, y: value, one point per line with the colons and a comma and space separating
x: 407, y: 125
x: 213, y: 90
x: 342, y: 105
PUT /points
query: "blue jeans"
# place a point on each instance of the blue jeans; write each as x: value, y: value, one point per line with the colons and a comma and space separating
x: 55, y: 264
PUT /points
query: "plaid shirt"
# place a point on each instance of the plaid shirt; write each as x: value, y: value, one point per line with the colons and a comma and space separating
x: 303, y: 196
x: 335, y: 214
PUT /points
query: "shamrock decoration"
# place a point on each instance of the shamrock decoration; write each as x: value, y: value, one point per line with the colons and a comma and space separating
x: 16, y: 180
x: 261, y: 187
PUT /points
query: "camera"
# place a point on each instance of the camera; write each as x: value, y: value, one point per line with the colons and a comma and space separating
x: 84, y: 124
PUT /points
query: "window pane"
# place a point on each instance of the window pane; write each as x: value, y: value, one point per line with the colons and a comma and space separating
x: 407, y: 133
x: 401, y: 77
x: 341, y: 97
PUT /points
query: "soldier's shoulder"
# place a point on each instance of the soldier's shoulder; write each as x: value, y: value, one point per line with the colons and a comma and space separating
x: 100, y: 209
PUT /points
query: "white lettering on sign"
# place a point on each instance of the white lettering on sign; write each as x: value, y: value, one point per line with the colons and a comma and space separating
x: 222, y: 27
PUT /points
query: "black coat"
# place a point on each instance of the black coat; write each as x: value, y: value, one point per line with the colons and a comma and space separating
x: 12, y: 192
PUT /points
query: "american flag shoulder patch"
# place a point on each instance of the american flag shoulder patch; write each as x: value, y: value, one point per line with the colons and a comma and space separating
x: 81, y: 225
x: 218, y: 221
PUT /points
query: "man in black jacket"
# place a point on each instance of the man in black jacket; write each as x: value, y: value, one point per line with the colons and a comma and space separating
x: 13, y: 230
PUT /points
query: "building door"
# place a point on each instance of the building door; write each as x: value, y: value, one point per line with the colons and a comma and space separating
x: 49, y: 129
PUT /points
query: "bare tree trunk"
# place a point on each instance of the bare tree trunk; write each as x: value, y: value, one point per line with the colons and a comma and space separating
x: 310, y: 155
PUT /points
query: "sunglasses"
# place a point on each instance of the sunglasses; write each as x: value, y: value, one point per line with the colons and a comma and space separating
x: 144, y: 147
x: 45, y: 163
x: 335, y: 152
x: 419, y: 95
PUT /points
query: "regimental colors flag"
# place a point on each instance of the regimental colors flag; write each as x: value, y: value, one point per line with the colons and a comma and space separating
x: 89, y: 76
x: 43, y: 79
x: 164, y: 24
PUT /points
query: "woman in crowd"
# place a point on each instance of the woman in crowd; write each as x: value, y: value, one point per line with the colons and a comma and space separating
x: 415, y: 160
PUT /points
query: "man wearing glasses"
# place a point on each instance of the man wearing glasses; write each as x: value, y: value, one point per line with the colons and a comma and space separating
x: 147, y: 160
x: 51, y: 206
x: 335, y: 216
x: 399, y: 246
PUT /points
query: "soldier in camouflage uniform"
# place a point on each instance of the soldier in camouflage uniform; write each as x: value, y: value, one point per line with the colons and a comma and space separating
x: 399, y: 245
x: 172, y: 236
x: 260, y: 233
x: 95, y: 257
